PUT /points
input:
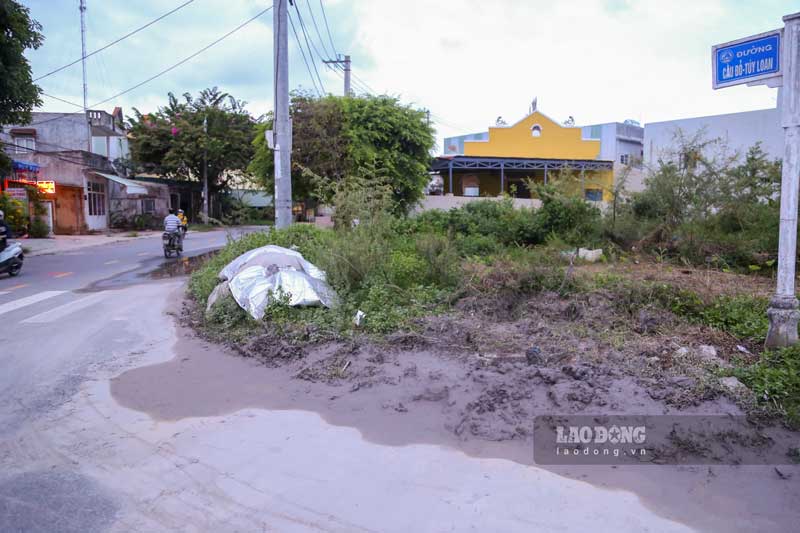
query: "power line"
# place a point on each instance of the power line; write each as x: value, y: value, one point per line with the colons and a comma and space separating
x: 309, y: 46
x: 316, y: 28
x: 302, y: 53
x: 325, y: 18
x: 61, y: 100
x: 112, y: 43
x: 168, y: 69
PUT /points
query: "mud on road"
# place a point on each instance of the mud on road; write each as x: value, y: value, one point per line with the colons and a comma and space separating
x: 474, y: 378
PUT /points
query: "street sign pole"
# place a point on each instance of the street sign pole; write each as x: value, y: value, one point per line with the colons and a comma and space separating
x: 783, y: 308
x: 773, y: 59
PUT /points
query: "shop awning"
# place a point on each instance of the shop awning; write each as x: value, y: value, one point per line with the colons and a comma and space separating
x: 131, y: 187
x: 24, y: 166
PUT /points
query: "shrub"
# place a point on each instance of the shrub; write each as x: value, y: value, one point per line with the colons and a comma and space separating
x: 440, y: 257
x: 776, y: 379
x: 14, y: 212
x: 39, y: 229
x: 477, y: 245
x: 575, y: 221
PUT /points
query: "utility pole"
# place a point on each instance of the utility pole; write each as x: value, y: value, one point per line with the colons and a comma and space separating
x: 346, y: 62
x: 282, y: 125
x: 206, y: 199
x: 83, y: 54
x: 82, y: 8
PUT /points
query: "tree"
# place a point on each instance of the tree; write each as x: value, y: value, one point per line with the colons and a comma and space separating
x: 18, y: 94
x: 334, y: 137
x: 172, y: 141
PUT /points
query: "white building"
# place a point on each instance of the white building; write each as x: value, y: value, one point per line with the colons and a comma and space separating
x: 738, y: 131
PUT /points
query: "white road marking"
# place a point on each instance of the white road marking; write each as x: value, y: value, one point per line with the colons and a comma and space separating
x: 112, y: 262
x: 63, y: 310
x: 3, y: 292
x: 28, y: 300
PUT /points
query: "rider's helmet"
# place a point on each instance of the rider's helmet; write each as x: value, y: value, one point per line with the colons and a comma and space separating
x: 2, y: 215
x: 180, y: 211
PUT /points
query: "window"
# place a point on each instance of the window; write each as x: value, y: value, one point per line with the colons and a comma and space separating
x: 24, y: 143
x: 594, y: 195
x: 536, y: 130
x: 148, y: 206
x: 97, y: 198
x: 625, y: 159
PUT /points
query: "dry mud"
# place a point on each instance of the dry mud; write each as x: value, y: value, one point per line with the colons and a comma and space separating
x: 473, y: 379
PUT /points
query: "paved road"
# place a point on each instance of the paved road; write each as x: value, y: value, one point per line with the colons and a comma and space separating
x: 73, y: 460
x: 56, y: 296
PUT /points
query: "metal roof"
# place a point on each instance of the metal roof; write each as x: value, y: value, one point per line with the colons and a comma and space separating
x: 131, y: 187
x: 518, y: 163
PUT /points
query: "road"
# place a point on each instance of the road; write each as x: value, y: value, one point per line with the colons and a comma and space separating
x: 72, y: 459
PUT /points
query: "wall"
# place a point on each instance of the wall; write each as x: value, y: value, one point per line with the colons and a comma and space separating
x: 124, y: 207
x: 69, y: 132
x: 447, y: 202
x: 739, y: 130
x: 455, y: 145
x: 555, y: 142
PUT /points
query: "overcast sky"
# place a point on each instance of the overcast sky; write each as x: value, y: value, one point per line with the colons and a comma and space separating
x: 468, y: 61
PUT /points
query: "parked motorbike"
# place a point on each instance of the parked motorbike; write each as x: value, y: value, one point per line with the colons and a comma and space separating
x: 172, y: 243
x: 11, y: 259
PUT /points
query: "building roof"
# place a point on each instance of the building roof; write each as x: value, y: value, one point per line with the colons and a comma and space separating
x: 518, y: 163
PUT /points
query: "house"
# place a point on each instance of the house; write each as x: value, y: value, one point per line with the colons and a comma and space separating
x: 738, y: 131
x: 537, y: 148
x: 73, y: 155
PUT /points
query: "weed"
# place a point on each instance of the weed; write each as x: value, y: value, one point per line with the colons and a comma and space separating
x: 775, y: 380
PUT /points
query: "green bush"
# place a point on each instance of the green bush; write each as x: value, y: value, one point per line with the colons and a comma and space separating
x: 39, y: 229
x: 477, y: 245
x: 14, y: 212
x: 775, y: 379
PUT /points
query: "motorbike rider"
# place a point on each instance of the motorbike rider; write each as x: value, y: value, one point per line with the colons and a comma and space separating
x: 184, y: 221
x: 5, y: 231
x: 171, y: 225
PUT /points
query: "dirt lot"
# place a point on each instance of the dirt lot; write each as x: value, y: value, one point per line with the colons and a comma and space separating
x: 475, y: 378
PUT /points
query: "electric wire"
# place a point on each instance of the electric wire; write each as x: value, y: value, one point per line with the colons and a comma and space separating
x: 109, y: 45
x: 302, y: 53
x: 309, y: 46
x: 172, y: 67
x: 325, y: 18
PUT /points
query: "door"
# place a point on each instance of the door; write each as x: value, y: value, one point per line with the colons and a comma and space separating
x: 96, y: 205
x: 68, y: 215
x: 48, y: 216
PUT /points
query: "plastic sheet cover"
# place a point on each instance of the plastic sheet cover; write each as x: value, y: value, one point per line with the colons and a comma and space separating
x: 259, y: 276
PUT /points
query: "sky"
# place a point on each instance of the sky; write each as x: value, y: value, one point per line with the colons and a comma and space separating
x: 467, y: 61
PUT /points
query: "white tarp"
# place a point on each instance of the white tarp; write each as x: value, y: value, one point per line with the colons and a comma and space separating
x: 258, y: 276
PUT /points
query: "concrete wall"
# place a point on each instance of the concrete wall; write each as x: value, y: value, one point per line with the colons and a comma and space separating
x: 447, y: 202
x: 125, y: 207
x: 739, y: 130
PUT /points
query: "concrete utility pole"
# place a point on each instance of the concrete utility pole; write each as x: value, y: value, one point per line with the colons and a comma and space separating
x: 783, y: 309
x: 206, y: 199
x: 282, y: 126
x: 83, y: 54
x: 346, y: 62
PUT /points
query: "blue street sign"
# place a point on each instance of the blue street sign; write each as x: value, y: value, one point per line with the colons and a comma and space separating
x: 747, y: 60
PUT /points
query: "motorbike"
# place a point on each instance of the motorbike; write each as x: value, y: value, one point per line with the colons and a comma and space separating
x: 11, y: 259
x: 172, y: 243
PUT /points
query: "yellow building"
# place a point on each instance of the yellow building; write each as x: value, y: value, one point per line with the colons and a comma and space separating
x: 536, y: 148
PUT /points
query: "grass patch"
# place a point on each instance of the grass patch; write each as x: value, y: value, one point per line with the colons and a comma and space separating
x: 775, y: 380
x: 744, y: 317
